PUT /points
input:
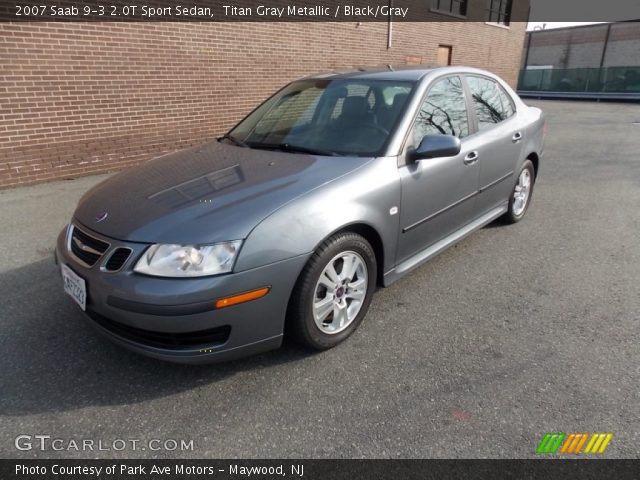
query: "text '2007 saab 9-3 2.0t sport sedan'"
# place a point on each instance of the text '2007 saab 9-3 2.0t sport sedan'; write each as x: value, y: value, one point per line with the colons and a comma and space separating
x: 336, y: 184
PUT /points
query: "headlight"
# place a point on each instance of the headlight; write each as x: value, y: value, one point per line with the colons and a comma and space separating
x: 188, y: 260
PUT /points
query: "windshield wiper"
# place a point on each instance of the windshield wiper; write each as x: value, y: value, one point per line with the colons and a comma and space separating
x: 287, y: 147
x: 235, y: 140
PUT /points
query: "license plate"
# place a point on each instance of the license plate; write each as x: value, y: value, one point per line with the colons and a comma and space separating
x: 74, y: 286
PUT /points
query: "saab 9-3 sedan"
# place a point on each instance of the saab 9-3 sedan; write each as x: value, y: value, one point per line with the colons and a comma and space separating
x: 335, y: 185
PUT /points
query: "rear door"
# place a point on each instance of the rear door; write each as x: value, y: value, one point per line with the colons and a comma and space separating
x: 437, y: 193
x: 499, y: 140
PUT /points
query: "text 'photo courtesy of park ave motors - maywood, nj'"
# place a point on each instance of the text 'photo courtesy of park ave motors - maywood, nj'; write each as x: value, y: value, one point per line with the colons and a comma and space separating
x: 234, y: 469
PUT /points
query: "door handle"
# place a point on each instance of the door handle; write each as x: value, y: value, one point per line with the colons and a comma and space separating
x: 516, y: 137
x: 472, y: 157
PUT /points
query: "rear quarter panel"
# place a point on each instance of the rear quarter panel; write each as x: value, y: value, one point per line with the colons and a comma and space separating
x: 533, y: 124
x: 535, y: 132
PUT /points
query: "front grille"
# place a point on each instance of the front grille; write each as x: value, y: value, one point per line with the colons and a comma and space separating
x: 173, y: 341
x: 117, y: 259
x: 85, y: 247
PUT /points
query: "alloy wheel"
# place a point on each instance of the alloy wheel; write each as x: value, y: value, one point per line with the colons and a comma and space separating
x: 340, y: 292
x: 522, y: 192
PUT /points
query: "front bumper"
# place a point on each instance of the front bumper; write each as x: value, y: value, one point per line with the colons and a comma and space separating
x: 175, y: 319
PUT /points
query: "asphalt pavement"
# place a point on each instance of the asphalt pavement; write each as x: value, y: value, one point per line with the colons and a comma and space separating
x: 515, y: 332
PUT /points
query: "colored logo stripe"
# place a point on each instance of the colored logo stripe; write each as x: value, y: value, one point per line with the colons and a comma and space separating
x: 550, y: 443
x: 598, y: 442
x: 573, y: 443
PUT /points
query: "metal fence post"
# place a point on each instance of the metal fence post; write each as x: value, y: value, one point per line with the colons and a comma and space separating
x: 526, y: 57
x: 604, y: 47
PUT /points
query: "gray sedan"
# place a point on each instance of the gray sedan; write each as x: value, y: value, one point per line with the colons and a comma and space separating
x: 336, y: 184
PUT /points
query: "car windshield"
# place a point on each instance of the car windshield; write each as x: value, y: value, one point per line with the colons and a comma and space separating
x: 326, y: 117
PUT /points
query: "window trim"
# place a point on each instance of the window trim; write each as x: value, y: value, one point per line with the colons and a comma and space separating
x: 473, y: 107
x: 403, y: 150
x: 498, y: 25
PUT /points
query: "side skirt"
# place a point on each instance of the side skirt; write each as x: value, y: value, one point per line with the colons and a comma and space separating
x: 428, y: 253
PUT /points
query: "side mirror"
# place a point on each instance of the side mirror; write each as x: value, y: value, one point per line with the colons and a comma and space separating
x: 433, y: 146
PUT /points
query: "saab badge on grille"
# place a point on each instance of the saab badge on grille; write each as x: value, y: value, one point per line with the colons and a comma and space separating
x: 101, y: 216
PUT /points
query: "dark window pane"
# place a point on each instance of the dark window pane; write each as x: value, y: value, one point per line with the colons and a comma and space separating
x: 487, y: 102
x: 458, y: 7
x: 443, y: 111
x: 499, y: 11
x: 461, y: 8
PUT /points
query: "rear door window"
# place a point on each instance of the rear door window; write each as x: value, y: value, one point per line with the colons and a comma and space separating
x: 490, y: 102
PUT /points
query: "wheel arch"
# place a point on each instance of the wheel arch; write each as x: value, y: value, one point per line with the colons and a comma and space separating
x: 365, y: 230
x: 371, y: 235
x: 533, y: 156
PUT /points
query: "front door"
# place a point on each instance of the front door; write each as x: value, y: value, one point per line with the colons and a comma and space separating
x: 437, y: 193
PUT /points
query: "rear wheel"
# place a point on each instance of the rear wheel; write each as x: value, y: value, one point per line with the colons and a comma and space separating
x: 334, y: 291
x: 521, y: 194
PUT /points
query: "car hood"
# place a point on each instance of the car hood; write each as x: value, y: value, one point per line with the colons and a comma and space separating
x: 215, y: 192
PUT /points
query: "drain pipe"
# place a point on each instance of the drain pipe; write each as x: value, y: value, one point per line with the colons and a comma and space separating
x: 390, y: 26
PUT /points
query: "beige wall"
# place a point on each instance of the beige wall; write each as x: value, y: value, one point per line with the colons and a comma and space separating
x: 582, y: 47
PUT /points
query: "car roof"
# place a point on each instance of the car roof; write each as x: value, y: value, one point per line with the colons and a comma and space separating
x: 378, y: 73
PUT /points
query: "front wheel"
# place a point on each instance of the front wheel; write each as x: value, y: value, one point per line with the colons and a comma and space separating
x: 334, y: 291
x: 521, y: 194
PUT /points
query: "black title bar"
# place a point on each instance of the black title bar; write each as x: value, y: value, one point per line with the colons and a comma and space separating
x: 318, y: 469
x: 500, y: 13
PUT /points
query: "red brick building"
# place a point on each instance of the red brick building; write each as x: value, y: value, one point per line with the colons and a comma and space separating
x: 82, y: 98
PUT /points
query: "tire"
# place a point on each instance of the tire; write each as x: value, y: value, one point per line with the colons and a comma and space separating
x: 318, y: 290
x: 517, y: 209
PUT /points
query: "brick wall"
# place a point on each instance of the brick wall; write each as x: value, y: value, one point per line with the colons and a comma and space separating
x: 82, y: 98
